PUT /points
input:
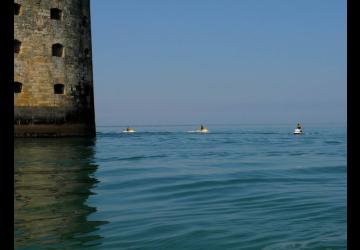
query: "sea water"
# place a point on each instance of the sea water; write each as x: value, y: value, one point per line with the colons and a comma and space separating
x: 236, y: 187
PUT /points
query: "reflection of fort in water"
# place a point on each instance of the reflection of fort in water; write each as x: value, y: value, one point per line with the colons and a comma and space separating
x: 52, y: 183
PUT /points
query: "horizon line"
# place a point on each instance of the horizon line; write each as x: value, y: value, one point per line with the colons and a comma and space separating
x: 216, y: 124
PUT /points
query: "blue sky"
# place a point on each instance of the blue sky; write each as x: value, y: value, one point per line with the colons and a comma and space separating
x: 223, y: 61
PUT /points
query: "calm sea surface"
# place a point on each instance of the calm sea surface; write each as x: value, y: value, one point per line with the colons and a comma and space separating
x: 237, y: 187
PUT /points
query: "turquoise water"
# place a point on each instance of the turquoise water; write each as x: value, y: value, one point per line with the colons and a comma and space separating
x: 237, y: 187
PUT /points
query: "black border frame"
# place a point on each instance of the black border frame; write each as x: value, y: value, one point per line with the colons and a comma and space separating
x: 7, y: 125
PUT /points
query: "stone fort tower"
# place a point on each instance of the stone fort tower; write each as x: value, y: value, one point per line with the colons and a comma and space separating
x: 53, y: 79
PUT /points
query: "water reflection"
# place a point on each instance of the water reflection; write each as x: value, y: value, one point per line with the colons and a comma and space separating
x: 53, y: 179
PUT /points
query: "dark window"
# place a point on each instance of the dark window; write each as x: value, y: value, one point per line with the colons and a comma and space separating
x: 59, y: 88
x: 17, y: 46
x: 87, y: 90
x: 17, y: 9
x: 85, y: 20
x: 78, y: 87
x: 17, y: 87
x: 86, y: 51
x: 57, y: 50
x: 55, y: 14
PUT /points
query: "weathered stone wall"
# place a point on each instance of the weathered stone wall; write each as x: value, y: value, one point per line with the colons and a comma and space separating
x: 38, y: 70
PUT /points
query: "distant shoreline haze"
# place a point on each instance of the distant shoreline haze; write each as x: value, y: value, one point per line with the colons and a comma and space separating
x: 223, y: 126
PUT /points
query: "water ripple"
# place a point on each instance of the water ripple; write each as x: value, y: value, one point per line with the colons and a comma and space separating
x: 163, y: 188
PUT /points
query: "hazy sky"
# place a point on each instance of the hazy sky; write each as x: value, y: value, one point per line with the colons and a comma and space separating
x: 219, y: 61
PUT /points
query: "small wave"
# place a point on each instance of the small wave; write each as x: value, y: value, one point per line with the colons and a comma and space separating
x: 321, y: 170
x: 297, y: 153
x: 286, y: 246
x: 131, y: 158
x: 108, y: 134
x: 261, y: 133
x: 333, y: 142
